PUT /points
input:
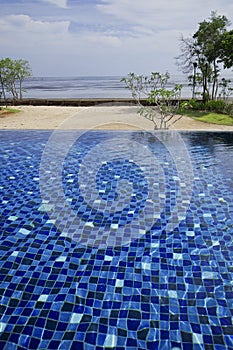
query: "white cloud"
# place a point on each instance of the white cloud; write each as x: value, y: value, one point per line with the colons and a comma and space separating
x: 149, y: 13
x: 58, y: 3
x: 49, y: 46
x: 23, y: 24
x: 113, y: 37
x: 164, y: 14
x: 101, y: 39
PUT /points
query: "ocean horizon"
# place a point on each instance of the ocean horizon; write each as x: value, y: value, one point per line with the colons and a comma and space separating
x: 89, y: 87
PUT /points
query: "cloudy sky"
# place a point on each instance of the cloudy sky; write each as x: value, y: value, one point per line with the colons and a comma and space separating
x: 101, y: 37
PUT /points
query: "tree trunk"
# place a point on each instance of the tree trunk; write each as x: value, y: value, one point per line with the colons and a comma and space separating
x: 20, y: 90
x: 3, y: 89
x: 205, y: 92
x: 215, y: 83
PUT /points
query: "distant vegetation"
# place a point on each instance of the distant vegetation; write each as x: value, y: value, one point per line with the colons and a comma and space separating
x: 12, y: 75
x: 203, y: 57
x: 215, y: 112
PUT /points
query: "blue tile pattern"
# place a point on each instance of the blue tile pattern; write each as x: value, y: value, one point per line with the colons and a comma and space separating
x: 164, y: 290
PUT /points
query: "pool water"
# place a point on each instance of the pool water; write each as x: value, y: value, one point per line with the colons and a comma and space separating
x: 105, y: 246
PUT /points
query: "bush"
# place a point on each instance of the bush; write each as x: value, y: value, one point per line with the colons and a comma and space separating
x: 229, y: 109
x: 215, y: 106
x: 218, y: 106
x: 196, y: 105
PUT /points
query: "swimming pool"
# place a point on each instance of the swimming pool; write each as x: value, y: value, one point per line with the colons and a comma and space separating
x: 113, y: 239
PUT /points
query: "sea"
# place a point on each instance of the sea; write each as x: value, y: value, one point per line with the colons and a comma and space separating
x: 89, y: 87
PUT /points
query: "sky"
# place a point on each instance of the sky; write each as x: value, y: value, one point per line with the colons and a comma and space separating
x: 101, y: 37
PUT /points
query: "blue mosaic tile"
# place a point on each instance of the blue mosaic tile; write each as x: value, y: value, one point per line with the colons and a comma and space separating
x: 161, y: 290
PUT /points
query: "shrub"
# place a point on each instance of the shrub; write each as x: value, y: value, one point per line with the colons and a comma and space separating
x: 215, y: 105
x: 196, y: 105
x: 218, y: 106
x: 163, y: 102
x: 229, y: 109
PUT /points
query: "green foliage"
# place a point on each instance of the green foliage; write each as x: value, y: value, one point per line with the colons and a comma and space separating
x: 209, y: 117
x: 217, y: 106
x: 208, y: 49
x: 12, y: 75
x: 215, y: 118
x: 9, y: 110
x: 229, y: 109
x: 163, y: 102
x: 208, y: 37
x: 226, y: 54
x: 226, y: 89
x: 195, y: 105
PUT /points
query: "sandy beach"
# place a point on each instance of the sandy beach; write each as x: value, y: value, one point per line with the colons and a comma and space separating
x: 97, y: 117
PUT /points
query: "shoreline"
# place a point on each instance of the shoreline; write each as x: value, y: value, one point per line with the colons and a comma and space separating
x: 78, y: 102
x: 106, y: 116
x: 82, y: 102
x: 74, y: 102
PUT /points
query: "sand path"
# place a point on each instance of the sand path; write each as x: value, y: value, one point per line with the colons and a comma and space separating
x: 97, y: 117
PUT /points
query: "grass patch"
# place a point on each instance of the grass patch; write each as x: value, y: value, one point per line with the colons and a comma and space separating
x: 5, y: 111
x: 209, y: 117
